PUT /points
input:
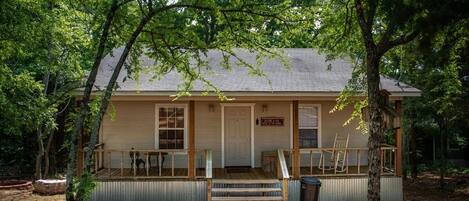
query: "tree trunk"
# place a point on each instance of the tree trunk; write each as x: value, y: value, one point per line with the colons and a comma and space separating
x: 443, y: 152
x: 376, y: 127
x: 85, y: 101
x: 107, y: 95
x: 413, y: 148
x: 40, y: 154
x: 46, y: 154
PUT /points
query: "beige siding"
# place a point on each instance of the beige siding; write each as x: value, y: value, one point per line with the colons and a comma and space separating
x: 272, y: 137
x: 208, y: 130
x: 134, y: 126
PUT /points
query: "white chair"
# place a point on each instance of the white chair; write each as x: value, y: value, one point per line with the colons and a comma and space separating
x: 338, y: 155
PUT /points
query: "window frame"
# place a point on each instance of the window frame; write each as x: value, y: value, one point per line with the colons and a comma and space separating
x: 157, y: 123
x: 319, y: 116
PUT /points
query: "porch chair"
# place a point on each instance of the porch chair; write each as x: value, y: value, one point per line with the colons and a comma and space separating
x: 338, y: 155
x: 138, y: 160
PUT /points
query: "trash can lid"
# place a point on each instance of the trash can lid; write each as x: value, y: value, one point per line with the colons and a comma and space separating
x: 311, y: 180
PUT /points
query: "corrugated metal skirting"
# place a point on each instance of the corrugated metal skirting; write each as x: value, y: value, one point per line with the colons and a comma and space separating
x: 332, y: 189
x: 151, y: 190
x: 350, y: 189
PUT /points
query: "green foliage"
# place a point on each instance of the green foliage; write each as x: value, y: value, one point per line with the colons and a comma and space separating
x: 84, y: 185
x: 43, y: 48
x: 23, y: 107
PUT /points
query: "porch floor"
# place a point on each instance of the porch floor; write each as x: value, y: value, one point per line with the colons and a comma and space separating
x: 218, y: 173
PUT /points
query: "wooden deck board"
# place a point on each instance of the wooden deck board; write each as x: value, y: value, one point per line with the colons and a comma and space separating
x: 218, y: 173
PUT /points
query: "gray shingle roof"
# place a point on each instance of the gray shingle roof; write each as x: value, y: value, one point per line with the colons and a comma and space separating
x: 309, y: 73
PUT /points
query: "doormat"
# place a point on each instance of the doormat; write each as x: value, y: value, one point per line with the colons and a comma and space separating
x: 240, y: 169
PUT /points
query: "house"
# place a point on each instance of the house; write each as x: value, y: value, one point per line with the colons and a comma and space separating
x: 254, y: 147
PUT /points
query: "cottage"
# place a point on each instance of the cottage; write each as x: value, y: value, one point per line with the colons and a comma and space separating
x: 275, y: 130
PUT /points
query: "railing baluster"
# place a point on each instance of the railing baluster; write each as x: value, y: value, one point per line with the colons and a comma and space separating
x: 323, y: 166
x: 159, y: 163
x: 358, y: 161
x: 135, y: 162
x: 346, y: 162
x: 109, y: 164
x: 172, y: 164
x: 147, y: 166
x: 122, y: 163
x: 395, y: 161
x: 310, y: 162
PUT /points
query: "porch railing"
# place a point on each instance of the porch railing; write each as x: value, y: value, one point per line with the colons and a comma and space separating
x: 282, y: 172
x: 170, y: 163
x: 352, y: 161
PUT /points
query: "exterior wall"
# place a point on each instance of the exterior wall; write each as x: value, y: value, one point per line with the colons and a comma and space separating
x: 270, y: 138
x: 133, y: 125
x: 350, y: 189
x: 332, y: 124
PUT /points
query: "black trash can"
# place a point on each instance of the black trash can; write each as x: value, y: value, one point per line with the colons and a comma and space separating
x: 310, y: 189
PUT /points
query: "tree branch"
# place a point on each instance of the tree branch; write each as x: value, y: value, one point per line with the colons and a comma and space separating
x: 364, y: 25
x: 386, y: 45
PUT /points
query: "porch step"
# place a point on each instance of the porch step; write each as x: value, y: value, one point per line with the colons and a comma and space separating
x: 249, y: 198
x: 246, y: 189
x: 245, y: 181
x: 249, y: 190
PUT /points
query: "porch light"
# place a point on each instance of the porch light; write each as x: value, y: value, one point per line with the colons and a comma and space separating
x: 264, y: 108
x: 211, y: 108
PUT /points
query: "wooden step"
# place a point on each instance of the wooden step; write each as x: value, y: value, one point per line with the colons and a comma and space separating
x: 245, y: 181
x: 246, y: 190
x: 252, y: 198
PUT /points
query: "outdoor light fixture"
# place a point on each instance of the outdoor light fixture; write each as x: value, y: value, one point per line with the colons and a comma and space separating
x: 211, y: 108
x: 264, y: 108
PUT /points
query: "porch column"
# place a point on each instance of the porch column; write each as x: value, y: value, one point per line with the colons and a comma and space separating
x: 398, y: 136
x: 191, y: 151
x: 296, y: 143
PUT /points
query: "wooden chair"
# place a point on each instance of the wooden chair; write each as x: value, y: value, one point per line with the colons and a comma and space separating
x: 338, y: 155
x: 138, y: 160
x: 341, y: 163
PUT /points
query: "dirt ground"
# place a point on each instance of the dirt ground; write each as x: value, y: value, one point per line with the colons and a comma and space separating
x: 35, y: 197
x: 425, y: 188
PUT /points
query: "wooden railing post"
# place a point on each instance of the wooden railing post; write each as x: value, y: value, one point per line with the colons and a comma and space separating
x: 209, y: 189
x: 208, y: 173
x: 296, y: 142
x: 398, y: 135
x: 191, y: 158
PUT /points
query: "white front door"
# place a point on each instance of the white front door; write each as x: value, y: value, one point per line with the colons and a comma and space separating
x: 237, y: 136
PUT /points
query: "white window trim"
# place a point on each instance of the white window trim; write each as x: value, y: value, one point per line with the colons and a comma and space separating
x: 319, y: 122
x: 157, y: 119
x: 223, y: 105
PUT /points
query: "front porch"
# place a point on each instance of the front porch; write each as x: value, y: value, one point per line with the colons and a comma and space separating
x: 259, y: 150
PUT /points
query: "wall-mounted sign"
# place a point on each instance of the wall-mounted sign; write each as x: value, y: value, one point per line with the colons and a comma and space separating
x: 272, y: 121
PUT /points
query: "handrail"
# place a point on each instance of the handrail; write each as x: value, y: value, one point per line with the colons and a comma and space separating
x: 338, y: 165
x: 146, y: 154
x: 144, y: 150
x: 283, y: 164
x: 208, y: 164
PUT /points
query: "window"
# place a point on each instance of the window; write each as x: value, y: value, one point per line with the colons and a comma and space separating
x: 309, y: 126
x: 171, y: 126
